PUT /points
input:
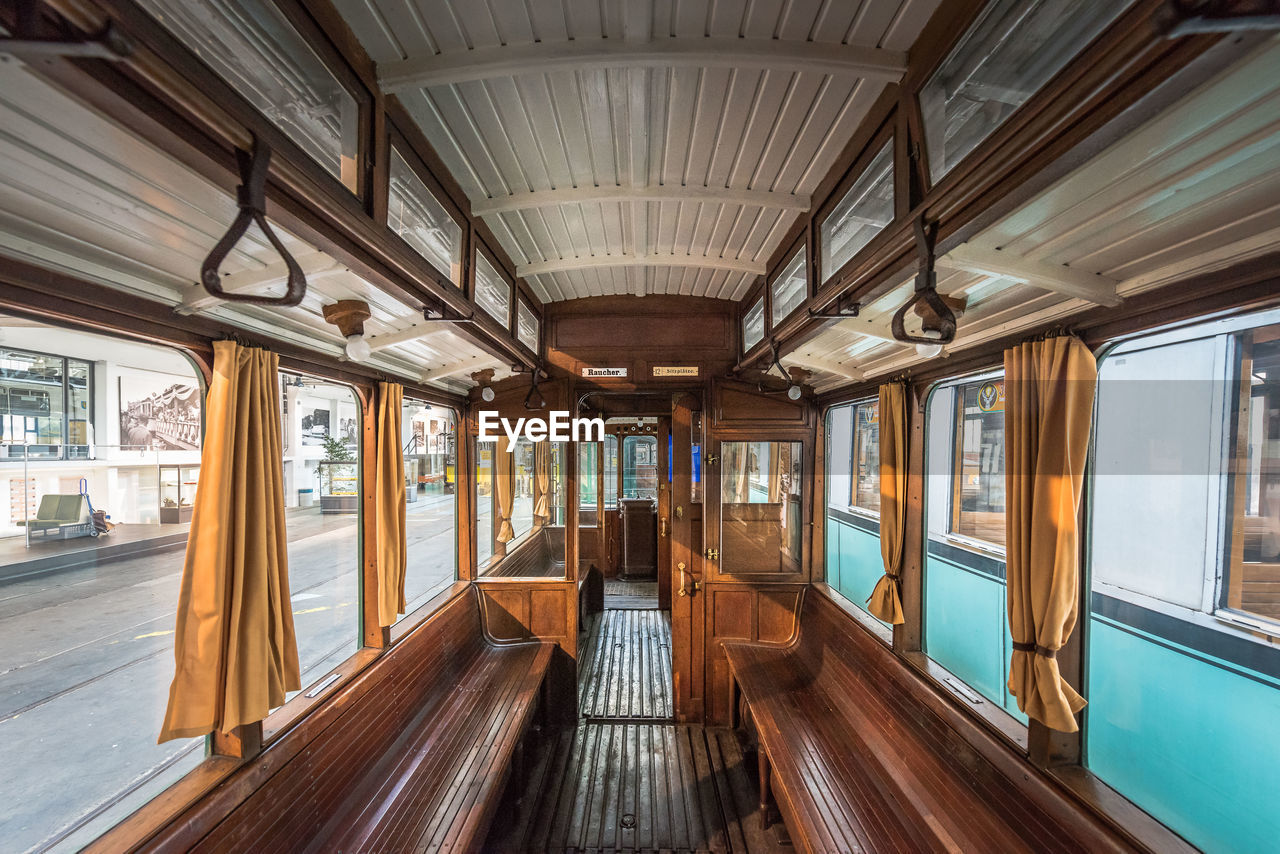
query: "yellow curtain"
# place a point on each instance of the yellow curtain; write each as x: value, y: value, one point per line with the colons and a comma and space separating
x: 504, y: 483
x: 541, y: 483
x: 1049, y: 388
x: 885, y: 601
x: 775, y: 471
x: 389, y: 504
x: 234, y: 647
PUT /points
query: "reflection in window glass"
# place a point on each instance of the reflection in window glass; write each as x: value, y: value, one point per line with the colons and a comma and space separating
x: 321, y: 436
x: 1182, y: 664
x: 254, y: 48
x: 493, y: 293
x: 588, y: 482
x: 1012, y: 50
x: 522, y: 507
x: 640, y: 467
x: 862, y: 214
x: 611, y: 472
x: 753, y: 324
x: 86, y: 630
x: 526, y: 325
x: 429, y: 438
x: 486, y: 499
x: 760, y: 505
x: 866, y: 454
x: 966, y: 628
x: 789, y: 288
x: 977, y: 505
x: 415, y: 215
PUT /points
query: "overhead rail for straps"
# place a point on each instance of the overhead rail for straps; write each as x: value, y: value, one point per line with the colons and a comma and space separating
x: 251, y: 196
x: 27, y: 44
x: 1191, y: 17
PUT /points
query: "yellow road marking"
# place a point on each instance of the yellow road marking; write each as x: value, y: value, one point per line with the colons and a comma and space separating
x: 311, y: 610
x: 153, y: 634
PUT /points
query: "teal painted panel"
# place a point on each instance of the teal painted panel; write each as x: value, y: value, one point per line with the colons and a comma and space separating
x: 860, y: 564
x: 831, y: 555
x: 965, y: 626
x: 1010, y: 701
x: 1194, y: 744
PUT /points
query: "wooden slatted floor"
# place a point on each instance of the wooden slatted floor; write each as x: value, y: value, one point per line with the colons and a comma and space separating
x: 625, y: 672
x: 635, y: 595
x: 615, y: 788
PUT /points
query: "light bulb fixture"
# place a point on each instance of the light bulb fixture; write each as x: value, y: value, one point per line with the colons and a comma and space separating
x: 483, y: 378
x: 794, y: 392
x: 349, y: 316
x: 795, y: 377
x: 925, y: 349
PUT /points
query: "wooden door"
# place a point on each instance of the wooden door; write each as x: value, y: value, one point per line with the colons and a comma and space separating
x: 687, y: 611
x: 664, y: 515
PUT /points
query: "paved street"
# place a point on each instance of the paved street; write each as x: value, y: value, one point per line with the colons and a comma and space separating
x: 86, y: 657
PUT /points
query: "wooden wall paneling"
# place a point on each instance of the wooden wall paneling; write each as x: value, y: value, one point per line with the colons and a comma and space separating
x: 744, y: 404
x: 816, y: 478
x: 515, y: 609
x: 757, y: 613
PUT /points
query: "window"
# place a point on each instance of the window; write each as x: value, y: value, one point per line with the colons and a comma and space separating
x: 977, y: 498
x: 640, y: 467
x: 866, y: 454
x: 965, y: 623
x: 753, y: 324
x: 429, y: 439
x: 86, y: 639
x: 46, y: 406
x: 493, y: 293
x: 790, y: 288
x: 588, y: 485
x: 511, y: 485
x: 486, y: 497
x: 1010, y: 52
x: 1182, y: 666
x: 415, y: 215
x: 526, y: 325
x: 610, y: 472
x: 852, y: 560
x: 253, y: 47
x: 862, y: 214
x: 760, y: 507
x: 320, y: 430
x: 522, y: 512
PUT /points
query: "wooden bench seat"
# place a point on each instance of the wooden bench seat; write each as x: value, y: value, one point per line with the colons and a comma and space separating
x: 415, y: 759
x: 540, y: 556
x: 864, y: 755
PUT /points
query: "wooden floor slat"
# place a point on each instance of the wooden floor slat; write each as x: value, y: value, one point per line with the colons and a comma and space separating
x: 635, y: 787
x: 626, y: 667
x: 630, y: 595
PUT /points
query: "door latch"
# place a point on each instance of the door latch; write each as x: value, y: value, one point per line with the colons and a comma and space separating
x: 713, y: 554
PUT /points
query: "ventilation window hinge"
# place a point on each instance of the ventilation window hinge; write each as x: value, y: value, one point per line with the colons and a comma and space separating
x: 713, y: 554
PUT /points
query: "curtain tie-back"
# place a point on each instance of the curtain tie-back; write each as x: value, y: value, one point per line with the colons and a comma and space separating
x: 1038, y: 650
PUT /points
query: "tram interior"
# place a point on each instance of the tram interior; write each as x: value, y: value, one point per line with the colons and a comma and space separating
x: 927, y: 496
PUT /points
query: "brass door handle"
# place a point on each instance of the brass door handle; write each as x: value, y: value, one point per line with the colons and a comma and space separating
x: 684, y: 582
x: 662, y: 527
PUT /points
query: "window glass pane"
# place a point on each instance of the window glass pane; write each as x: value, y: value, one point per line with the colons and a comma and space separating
x: 978, y: 497
x: 1182, y: 665
x: 522, y: 512
x: 852, y: 555
x: 414, y: 214
x: 866, y: 454
x: 1012, y: 50
x: 493, y: 294
x: 753, y: 324
x: 640, y: 467
x: 526, y: 326
x: 588, y: 484
x: 789, y: 288
x: 965, y: 623
x: 760, y: 507
x: 321, y: 435
x: 34, y: 414
x: 486, y: 499
x: 252, y: 46
x: 86, y: 630
x: 863, y: 212
x: 610, y: 472
x: 429, y: 439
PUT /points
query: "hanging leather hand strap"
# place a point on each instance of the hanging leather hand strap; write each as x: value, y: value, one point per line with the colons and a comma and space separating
x: 252, y: 197
x: 926, y: 292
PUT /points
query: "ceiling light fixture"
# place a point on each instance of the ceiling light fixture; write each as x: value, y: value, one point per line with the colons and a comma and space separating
x: 349, y: 316
x: 484, y: 378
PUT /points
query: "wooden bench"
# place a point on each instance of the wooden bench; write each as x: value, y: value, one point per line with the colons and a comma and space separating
x: 411, y: 757
x: 539, y: 556
x: 864, y: 755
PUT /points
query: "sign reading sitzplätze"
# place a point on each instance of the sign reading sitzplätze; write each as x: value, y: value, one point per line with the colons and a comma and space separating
x: 675, y: 370
x: 598, y: 373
